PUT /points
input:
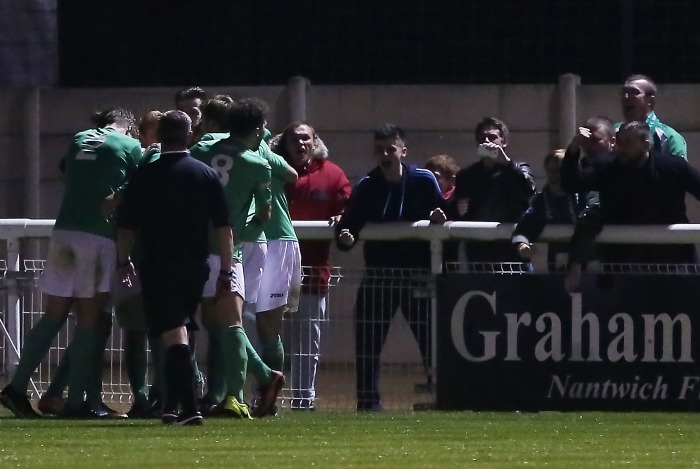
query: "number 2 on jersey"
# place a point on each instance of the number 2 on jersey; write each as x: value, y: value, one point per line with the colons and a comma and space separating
x: 222, y: 164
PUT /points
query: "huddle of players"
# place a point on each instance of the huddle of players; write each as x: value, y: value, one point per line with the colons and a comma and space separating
x: 264, y: 270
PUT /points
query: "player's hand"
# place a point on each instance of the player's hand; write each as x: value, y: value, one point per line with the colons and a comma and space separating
x: 525, y: 251
x: 438, y: 216
x: 126, y: 273
x: 110, y: 204
x: 573, y: 278
x: 223, y: 283
x: 333, y: 220
x: 346, y: 238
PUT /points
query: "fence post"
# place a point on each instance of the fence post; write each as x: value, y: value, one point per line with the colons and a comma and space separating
x: 13, y: 319
x: 436, y: 256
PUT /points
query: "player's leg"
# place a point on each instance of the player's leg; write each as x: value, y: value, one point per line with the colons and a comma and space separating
x: 95, y: 264
x: 56, y: 284
x: 216, y: 379
x: 229, y: 321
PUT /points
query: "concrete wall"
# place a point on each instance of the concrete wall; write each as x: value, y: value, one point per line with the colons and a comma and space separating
x: 438, y: 119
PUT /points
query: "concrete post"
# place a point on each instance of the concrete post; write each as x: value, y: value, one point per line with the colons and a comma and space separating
x: 568, y: 84
x: 298, y: 86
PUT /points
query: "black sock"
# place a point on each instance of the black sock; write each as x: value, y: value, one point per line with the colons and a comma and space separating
x: 179, y: 377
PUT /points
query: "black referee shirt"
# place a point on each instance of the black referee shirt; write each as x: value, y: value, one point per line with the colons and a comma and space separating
x: 172, y: 203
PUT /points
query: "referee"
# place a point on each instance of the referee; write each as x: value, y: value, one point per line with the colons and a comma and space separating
x: 171, y: 204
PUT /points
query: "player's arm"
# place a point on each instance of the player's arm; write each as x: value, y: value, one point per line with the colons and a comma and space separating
x: 263, y: 196
x: 220, y: 222
x: 281, y: 169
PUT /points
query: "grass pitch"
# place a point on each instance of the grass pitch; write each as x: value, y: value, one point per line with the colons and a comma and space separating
x: 345, y: 439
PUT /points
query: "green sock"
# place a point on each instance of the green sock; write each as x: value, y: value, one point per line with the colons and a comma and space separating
x: 273, y: 353
x: 256, y: 365
x: 216, y: 382
x: 235, y: 357
x: 136, y: 364
x: 59, y: 380
x: 82, y: 356
x: 93, y: 390
x: 36, y: 346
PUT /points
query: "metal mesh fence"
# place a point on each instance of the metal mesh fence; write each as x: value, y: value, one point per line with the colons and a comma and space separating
x: 323, y: 338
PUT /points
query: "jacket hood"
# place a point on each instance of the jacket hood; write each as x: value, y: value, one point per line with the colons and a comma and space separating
x: 320, y: 150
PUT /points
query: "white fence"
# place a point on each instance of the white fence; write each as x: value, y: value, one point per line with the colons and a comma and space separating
x: 21, y: 304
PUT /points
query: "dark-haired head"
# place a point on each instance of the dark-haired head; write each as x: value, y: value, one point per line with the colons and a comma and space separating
x: 174, y: 130
x: 248, y: 116
x: 388, y: 130
x: 215, y: 113
x: 194, y: 92
x: 488, y: 123
x: 115, y: 117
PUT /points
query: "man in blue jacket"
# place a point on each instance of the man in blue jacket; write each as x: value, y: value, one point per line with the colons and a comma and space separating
x: 393, y: 191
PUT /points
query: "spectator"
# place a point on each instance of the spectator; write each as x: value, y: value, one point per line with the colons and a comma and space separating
x: 550, y: 206
x: 445, y: 170
x: 637, y: 185
x: 495, y: 188
x: 393, y: 191
x: 320, y: 193
x: 638, y: 99
x: 595, y: 140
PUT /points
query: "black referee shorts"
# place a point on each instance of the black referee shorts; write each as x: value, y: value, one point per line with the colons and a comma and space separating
x: 171, y: 294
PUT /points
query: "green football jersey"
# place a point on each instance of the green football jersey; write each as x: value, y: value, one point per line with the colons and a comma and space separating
x: 98, y: 163
x: 280, y: 224
x: 246, y: 180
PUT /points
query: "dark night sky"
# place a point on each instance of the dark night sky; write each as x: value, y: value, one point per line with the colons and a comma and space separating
x: 264, y: 42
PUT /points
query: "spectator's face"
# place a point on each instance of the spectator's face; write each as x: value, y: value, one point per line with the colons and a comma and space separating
x: 552, y: 170
x: 445, y: 181
x: 631, y: 148
x: 388, y: 153
x: 299, y: 145
x: 493, y: 135
x: 637, y: 103
x: 191, y: 108
x: 599, y: 143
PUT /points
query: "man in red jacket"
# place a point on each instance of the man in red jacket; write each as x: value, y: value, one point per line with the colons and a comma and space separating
x: 320, y: 193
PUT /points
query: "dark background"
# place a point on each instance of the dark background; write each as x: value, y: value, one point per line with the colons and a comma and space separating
x: 264, y: 42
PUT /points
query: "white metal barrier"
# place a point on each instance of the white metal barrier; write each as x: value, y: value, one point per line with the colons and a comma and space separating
x: 15, y: 230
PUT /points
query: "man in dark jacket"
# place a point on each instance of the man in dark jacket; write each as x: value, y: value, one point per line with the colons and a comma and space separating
x: 393, y: 191
x: 495, y: 188
x: 637, y: 185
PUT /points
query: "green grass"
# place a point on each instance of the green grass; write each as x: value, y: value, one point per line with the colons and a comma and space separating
x: 389, y: 439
